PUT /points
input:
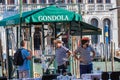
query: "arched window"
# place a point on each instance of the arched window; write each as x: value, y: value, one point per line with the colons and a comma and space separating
x: 94, y: 22
x: 80, y: 1
x: 94, y: 38
x: 107, y: 1
x: 90, y: 1
x: 24, y: 1
x: 99, y: 1
x: 107, y: 31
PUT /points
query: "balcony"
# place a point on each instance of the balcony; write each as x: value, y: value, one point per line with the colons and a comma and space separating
x: 99, y: 7
x: 72, y: 7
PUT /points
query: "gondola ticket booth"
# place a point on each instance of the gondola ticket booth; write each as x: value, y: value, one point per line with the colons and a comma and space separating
x: 40, y: 27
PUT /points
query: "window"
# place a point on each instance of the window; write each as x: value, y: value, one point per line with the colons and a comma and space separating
x: 51, y: 1
x: 2, y: 1
x: 24, y: 1
x: 68, y: 1
x: 33, y: 1
x: 94, y: 38
x: 42, y: 1
x: 107, y: 1
x: 90, y: 1
x: 107, y: 31
x: 10, y: 1
x: 80, y: 1
x: 99, y: 1
x: 94, y: 22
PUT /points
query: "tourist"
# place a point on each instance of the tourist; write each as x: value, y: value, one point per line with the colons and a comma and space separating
x: 24, y: 70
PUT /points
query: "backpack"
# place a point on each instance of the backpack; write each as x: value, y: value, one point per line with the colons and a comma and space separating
x: 18, y: 58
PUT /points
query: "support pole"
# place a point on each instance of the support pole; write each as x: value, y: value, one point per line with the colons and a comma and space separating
x: 8, y: 56
x: 70, y: 67
x: 17, y: 31
x: 20, y: 19
x: 55, y: 31
x: 43, y: 39
x: 112, y: 52
x: 55, y: 36
x: 105, y: 51
x: 81, y: 29
x: 31, y: 66
x: 1, y: 58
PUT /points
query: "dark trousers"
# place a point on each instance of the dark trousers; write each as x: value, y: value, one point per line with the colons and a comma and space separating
x: 62, y: 69
x: 86, y: 68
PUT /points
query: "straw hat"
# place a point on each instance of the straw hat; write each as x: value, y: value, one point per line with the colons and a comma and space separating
x: 58, y: 41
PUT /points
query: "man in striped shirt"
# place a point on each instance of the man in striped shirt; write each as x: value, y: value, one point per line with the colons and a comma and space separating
x: 85, y: 58
x: 61, y: 55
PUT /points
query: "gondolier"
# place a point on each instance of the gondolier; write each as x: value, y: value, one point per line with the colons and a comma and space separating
x: 61, y: 55
x: 85, y: 58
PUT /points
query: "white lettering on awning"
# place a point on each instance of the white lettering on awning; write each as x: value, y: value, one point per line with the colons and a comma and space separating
x: 53, y: 18
x: 10, y: 22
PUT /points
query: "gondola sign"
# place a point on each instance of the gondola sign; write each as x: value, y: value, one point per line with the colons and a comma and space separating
x: 53, y: 18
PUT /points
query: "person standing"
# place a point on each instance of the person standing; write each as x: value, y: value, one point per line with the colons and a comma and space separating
x: 85, y: 58
x: 24, y: 70
x: 61, y: 55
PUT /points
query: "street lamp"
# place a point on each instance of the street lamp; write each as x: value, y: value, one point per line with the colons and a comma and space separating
x: 114, y: 8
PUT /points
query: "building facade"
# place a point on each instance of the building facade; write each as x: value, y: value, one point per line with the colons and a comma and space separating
x: 95, y: 12
x: 118, y: 4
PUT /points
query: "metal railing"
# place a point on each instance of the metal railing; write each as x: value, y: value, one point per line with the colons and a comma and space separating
x: 72, y: 7
x: 99, y: 7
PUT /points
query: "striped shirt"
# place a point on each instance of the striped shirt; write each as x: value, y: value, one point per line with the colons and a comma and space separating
x: 61, y: 54
x: 85, y: 54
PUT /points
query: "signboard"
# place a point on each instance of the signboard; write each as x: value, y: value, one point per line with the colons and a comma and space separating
x: 53, y: 18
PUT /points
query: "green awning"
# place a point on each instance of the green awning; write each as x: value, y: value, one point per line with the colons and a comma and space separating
x: 53, y: 14
x: 48, y: 14
x: 86, y: 29
x: 15, y: 20
x: 89, y: 29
